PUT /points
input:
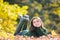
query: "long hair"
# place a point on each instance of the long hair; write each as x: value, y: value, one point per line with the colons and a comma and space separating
x: 32, y: 28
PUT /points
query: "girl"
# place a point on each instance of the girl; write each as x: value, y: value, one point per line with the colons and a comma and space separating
x: 37, y: 28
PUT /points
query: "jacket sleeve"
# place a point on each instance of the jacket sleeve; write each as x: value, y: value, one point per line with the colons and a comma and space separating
x: 45, y: 31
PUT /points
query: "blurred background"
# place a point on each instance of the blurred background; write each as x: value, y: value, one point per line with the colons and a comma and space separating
x: 48, y: 10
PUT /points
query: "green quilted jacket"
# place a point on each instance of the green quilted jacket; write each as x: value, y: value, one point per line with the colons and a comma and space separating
x: 37, y: 33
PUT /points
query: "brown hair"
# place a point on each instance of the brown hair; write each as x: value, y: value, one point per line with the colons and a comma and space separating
x: 32, y: 26
x: 42, y: 25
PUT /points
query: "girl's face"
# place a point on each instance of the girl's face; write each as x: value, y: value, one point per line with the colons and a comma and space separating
x: 36, y: 22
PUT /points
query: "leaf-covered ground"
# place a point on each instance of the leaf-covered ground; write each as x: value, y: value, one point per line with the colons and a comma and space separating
x: 49, y: 37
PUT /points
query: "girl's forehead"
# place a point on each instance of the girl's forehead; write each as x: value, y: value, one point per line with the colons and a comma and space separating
x: 36, y: 19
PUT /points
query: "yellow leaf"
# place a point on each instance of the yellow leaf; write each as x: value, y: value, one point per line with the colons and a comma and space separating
x: 53, y: 33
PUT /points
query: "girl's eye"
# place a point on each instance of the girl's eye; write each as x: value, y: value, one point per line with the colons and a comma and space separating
x: 37, y: 21
x: 33, y: 22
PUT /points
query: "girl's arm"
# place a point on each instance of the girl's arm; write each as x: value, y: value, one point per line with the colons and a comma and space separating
x: 45, y: 31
